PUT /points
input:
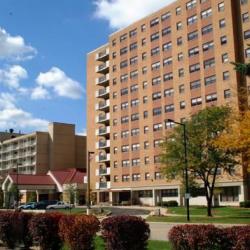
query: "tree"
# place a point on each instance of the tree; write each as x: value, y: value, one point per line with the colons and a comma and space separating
x: 205, y: 159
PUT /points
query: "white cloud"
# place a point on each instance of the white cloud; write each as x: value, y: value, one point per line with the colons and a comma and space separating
x: 13, y: 117
x: 60, y: 83
x: 39, y: 93
x: 14, y: 47
x: 12, y: 76
x: 121, y: 13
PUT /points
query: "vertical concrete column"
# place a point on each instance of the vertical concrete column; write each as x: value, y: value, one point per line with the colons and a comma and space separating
x: 97, y: 197
x: 37, y: 195
x: 154, y: 197
x: 110, y: 197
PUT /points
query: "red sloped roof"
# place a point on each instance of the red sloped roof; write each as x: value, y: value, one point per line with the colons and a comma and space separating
x: 28, y: 179
x: 71, y: 175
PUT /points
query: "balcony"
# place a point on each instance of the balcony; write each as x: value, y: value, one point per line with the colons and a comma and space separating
x: 103, y: 106
x: 102, y: 185
x: 103, y: 158
x: 103, y: 55
x: 103, y: 80
x: 103, y: 144
x: 103, y: 118
x: 103, y: 131
x: 103, y: 68
x: 102, y: 172
x: 103, y: 93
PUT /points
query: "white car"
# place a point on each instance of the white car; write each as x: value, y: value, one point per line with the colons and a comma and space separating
x: 60, y: 205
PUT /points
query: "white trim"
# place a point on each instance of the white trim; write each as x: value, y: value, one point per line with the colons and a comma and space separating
x: 59, y: 186
x: 102, y: 46
x: 8, y: 177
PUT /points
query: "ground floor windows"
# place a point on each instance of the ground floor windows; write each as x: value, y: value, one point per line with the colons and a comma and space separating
x: 230, y: 194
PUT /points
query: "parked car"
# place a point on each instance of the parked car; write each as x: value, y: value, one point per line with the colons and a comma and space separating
x: 44, y: 204
x: 28, y: 205
x: 60, y: 205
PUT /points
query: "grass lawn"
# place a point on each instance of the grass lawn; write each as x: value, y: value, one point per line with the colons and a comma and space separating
x: 234, y: 215
x: 152, y: 245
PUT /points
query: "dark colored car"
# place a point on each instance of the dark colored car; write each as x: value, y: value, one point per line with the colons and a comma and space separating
x: 44, y: 204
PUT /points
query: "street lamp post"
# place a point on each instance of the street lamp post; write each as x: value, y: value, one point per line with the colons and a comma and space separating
x: 187, y: 195
x: 88, y: 183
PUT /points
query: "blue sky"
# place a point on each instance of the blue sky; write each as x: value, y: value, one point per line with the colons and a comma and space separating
x: 43, y: 47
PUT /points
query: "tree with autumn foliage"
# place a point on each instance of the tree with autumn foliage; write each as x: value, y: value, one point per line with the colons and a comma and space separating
x: 205, y: 159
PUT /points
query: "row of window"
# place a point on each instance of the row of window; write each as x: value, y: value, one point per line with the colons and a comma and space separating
x: 147, y: 176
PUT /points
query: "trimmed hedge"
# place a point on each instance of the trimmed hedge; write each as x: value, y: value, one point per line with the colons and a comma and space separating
x: 209, y: 237
x: 168, y: 204
x: 245, y: 204
x: 125, y: 232
x: 44, y: 229
x: 78, y: 231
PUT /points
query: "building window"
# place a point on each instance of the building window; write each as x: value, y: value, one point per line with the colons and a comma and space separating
x: 243, y: 2
x: 156, y: 80
x: 230, y: 194
x: 194, y: 67
x: 157, y: 111
x: 133, y: 74
x: 124, y: 91
x: 156, y: 96
x: 133, y: 60
x: 247, y: 53
x: 145, y: 114
x: 155, y: 51
x: 125, y: 148
x: 181, y: 72
x: 157, y: 127
x: 182, y: 105
x: 191, y: 4
x: 181, y: 89
x: 168, y: 77
x: 146, y: 129
x: 143, y: 27
x: 169, y: 92
x: 210, y: 80
x: 144, y: 85
x: 124, y: 105
x: 221, y: 6
x: 113, y: 42
x: 227, y: 93
x: 124, y: 78
x: 211, y: 97
x: 125, y: 163
x: 116, y: 178
x: 157, y: 143
x: 169, y: 124
x: 191, y: 20
x: 144, y: 56
x: 135, y: 147
x: 192, y: 35
x: 223, y: 40
x: 125, y: 178
x: 167, y: 46
x: 144, y: 70
x: 155, y: 66
x: 115, y: 108
x: 135, y: 131
x: 115, y: 150
x: 179, y: 41
x: 145, y: 99
x: 124, y: 119
x: 196, y: 101
x: 195, y: 84
x: 146, y: 145
x: 143, y: 41
x: 136, y: 177
x: 135, y: 117
x: 115, y: 164
x: 133, y: 33
x: 180, y: 56
x: 154, y: 22
x: 123, y: 37
x: 207, y: 29
x: 226, y: 75
x: 167, y: 61
x: 155, y: 36
x: 147, y: 177
x: 169, y: 108
x: 169, y: 192
x: 133, y: 46
x: 178, y: 11
x: 123, y: 50
x: 134, y: 88
x: 114, y: 55
x: 245, y: 17
x: 209, y: 63
x: 247, y: 34
x: 124, y: 64
x: 179, y: 26
x: 225, y: 58
x: 194, y: 51
x: 125, y: 134
x: 134, y: 102
x: 206, y: 13
x: 166, y: 31
x: 165, y: 16
x: 207, y: 46
x: 158, y: 176
x: 135, y: 162
x: 222, y: 23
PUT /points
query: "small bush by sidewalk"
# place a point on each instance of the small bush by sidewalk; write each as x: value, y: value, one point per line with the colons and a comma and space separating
x: 209, y: 237
x: 125, y: 232
x: 78, y: 231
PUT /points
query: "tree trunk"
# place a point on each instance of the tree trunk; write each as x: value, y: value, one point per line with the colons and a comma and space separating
x: 209, y: 206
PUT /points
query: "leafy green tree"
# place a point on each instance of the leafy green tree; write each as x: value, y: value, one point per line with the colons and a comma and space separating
x: 205, y: 159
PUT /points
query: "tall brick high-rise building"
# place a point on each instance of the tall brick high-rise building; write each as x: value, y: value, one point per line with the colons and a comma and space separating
x: 168, y: 65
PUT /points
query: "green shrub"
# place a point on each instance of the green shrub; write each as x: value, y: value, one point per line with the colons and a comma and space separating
x: 168, y: 204
x: 245, y: 204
